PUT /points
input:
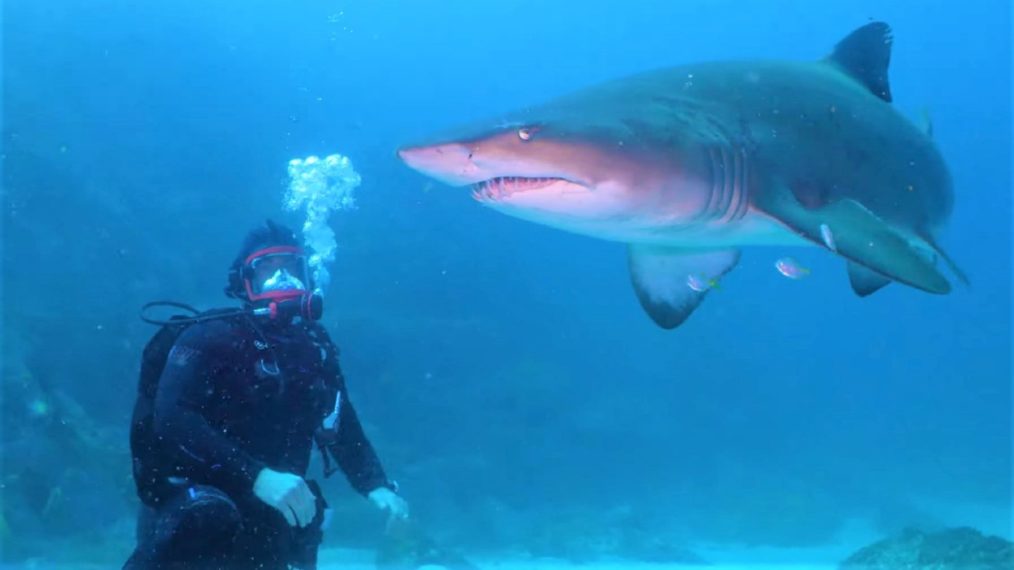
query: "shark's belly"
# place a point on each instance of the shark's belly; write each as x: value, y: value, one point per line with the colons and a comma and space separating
x: 753, y: 229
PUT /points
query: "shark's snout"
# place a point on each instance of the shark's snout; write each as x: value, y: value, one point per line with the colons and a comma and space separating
x: 450, y: 163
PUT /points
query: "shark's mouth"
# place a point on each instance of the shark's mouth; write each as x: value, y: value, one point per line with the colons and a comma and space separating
x: 505, y: 186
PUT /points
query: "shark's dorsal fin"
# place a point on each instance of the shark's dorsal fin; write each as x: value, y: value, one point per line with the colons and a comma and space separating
x: 864, y: 55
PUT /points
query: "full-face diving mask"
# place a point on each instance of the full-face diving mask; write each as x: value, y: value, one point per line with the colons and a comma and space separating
x: 278, y: 279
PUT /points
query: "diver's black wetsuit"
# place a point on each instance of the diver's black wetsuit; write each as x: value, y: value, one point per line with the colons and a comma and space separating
x: 237, y: 396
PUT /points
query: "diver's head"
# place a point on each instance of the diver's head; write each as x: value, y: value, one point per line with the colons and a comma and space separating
x: 270, y: 275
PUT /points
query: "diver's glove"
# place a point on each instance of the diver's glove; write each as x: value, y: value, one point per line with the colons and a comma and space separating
x: 288, y: 494
x: 387, y: 500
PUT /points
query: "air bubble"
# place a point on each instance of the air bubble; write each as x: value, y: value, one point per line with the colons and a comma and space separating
x: 322, y: 186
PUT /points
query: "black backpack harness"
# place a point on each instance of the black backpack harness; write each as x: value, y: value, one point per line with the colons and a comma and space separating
x: 151, y: 476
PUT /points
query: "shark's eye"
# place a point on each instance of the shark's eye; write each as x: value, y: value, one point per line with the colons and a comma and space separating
x: 525, y: 133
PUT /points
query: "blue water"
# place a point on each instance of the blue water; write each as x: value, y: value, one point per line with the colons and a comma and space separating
x: 504, y: 370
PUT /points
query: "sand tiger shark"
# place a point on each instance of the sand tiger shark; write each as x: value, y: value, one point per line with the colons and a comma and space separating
x: 689, y: 164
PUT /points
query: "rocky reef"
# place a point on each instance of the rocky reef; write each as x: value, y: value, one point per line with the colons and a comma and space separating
x: 960, y: 548
x: 66, y: 476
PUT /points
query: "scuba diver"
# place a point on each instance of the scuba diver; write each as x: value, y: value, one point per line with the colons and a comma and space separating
x: 230, y: 405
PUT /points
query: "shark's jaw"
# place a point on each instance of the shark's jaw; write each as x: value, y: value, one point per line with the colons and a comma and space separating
x: 502, y: 188
x: 556, y: 202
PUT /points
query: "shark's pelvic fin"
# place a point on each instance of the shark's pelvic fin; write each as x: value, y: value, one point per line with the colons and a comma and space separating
x: 670, y: 283
x: 865, y: 55
x: 860, y: 236
x: 865, y: 281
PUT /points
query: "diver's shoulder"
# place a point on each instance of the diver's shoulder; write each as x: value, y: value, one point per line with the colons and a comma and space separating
x: 220, y: 330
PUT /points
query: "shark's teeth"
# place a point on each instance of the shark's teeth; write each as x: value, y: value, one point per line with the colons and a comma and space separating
x: 503, y: 186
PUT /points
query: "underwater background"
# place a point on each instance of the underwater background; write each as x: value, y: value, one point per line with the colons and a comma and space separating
x: 504, y: 370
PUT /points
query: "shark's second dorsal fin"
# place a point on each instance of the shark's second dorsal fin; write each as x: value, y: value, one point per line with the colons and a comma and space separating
x: 864, y: 55
x: 926, y: 123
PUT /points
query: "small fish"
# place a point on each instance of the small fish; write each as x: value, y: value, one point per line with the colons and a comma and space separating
x: 790, y: 268
x: 825, y: 232
x: 701, y: 283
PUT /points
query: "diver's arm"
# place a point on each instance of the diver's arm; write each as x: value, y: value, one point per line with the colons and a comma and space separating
x: 355, y: 454
x: 185, y: 387
x: 352, y: 450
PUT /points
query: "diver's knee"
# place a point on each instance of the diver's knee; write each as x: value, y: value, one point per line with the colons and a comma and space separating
x: 205, y: 520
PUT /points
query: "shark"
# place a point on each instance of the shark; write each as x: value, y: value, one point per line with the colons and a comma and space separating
x: 688, y: 165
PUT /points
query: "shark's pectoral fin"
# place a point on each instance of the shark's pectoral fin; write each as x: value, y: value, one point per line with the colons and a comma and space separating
x: 671, y: 283
x: 858, y: 235
x: 865, y: 281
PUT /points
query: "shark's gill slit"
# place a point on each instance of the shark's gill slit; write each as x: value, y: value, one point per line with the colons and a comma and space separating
x: 729, y: 200
x: 737, y: 201
x: 727, y: 183
x: 717, y: 184
x: 742, y: 181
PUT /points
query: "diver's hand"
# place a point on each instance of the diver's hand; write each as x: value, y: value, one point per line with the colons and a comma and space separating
x: 387, y: 500
x: 288, y: 494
